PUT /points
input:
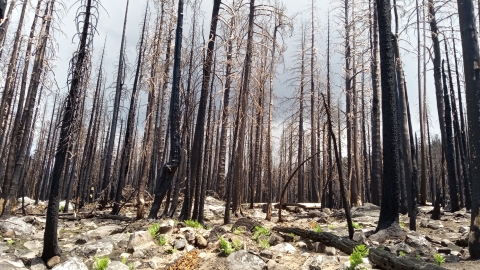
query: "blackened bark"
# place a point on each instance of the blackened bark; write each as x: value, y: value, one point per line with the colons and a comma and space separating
x: 165, y: 179
x: 391, y: 171
x: 50, y: 244
x: 471, y: 62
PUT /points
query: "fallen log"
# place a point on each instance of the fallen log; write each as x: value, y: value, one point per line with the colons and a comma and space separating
x: 380, y: 258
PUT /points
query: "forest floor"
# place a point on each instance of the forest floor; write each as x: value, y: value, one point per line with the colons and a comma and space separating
x: 128, y: 244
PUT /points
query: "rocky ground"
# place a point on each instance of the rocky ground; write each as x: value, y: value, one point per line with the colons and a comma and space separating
x: 130, y: 245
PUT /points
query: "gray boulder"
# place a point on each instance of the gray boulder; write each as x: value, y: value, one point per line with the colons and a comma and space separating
x: 104, y: 231
x: 140, y: 240
x: 71, y: 264
x: 243, y: 259
x: 18, y: 225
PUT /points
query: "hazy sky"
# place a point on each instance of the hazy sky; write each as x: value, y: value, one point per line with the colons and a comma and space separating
x: 110, y: 28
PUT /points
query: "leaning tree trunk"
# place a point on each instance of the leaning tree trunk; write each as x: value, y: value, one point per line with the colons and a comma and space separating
x: 67, y: 132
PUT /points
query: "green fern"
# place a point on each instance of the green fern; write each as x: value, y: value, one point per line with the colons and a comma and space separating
x: 439, y: 260
x: 260, y: 231
x: 264, y: 244
x: 318, y: 229
x: 154, y: 229
x: 101, y: 263
x: 162, y: 241
x: 356, y: 258
x: 225, y: 246
x: 193, y: 224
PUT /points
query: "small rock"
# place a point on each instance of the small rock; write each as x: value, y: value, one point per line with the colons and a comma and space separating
x: 115, y: 265
x: 317, y: 214
x: 320, y: 247
x: 190, y: 248
x: 449, y: 244
x: 97, y: 249
x: 462, y: 241
x: 37, y: 264
x: 104, y: 231
x: 190, y: 237
x: 138, y: 254
x: 275, y: 239
x: 181, y: 225
x: 166, y: 227
x: 463, y: 229
x: 358, y: 236
x: 9, y: 234
x: 301, y: 244
x: 180, y: 244
x: 327, y: 211
x: 452, y: 258
x: 418, y: 242
x: 247, y: 222
x: 53, y: 261
x: 140, y: 240
x: 201, y: 242
x: 243, y: 259
x: 71, y: 264
x: 271, y: 264
x: 284, y: 247
x: 215, y: 232
x: 266, y: 254
x: 330, y: 251
x: 401, y: 247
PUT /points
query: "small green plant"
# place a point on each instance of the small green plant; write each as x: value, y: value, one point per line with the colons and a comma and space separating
x: 154, y: 229
x: 225, y: 246
x: 419, y: 257
x: 260, y: 231
x: 131, y: 266
x: 128, y: 234
x: 193, y: 224
x: 237, y: 244
x: 124, y: 260
x: 402, y: 225
x: 101, y: 263
x: 292, y: 235
x: 439, y: 260
x: 10, y: 242
x: 359, y: 252
x: 355, y: 225
x: 238, y: 231
x: 264, y: 244
x: 162, y: 241
x: 318, y: 229
x: 61, y: 208
x: 331, y: 227
x: 402, y: 253
x: 170, y: 250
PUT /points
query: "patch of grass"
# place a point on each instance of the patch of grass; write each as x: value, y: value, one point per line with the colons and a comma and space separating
x: 193, y: 224
x: 402, y: 253
x: 131, y: 266
x: 260, y: 231
x: 154, y: 229
x: 439, y: 260
x: 331, y: 227
x: 162, y: 241
x: 61, y: 208
x: 264, y: 243
x: 357, y: 256
x: 402, y: 225
x: 124, y: 260
x: 101, y: 263
x: 318, y: 229
x: 225, y: 246
x: 419, y: 257
x: 128, y: 234
x: 10, y: 242
x: 170, y: 251
x: 292, y: 235
x: 355, y: 225
x: 237, y: 244
x: 238, y: 231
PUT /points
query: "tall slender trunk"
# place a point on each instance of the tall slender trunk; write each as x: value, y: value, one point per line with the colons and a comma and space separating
x: 315, y: 196
x: 116, y: 107
x: 67, y: 132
